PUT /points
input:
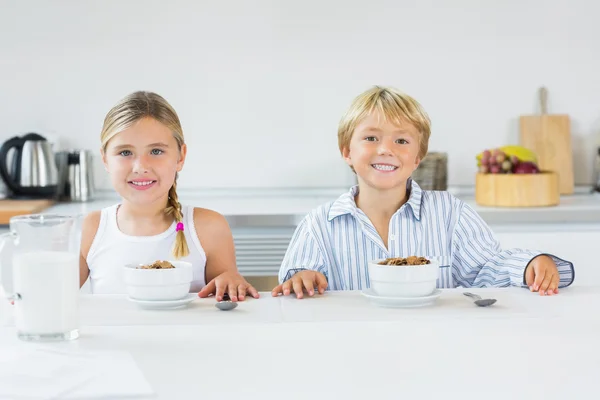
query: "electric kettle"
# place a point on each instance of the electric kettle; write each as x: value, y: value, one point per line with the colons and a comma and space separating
x: 33, y: 172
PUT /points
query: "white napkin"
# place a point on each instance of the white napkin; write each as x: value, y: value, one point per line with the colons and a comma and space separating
x: 118, y: 377
x: 45, y: 373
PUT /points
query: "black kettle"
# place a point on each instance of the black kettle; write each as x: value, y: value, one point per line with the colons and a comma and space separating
x: 33, y: 171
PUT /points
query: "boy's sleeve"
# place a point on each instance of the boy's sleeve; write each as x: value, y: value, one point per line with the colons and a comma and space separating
x: 303, y: 253
x: 478, y: 260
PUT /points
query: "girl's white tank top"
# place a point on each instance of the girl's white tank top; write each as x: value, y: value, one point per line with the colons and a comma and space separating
x: 111, y: 250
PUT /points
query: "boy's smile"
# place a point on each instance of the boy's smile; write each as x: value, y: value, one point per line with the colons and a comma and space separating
x: 383, y: 154
x: 384, y: 167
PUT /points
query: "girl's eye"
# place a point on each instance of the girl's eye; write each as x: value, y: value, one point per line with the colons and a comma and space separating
x: 125, y: 153
x: 402, y: 141
x: 370, y: 138
x: 156, y: 152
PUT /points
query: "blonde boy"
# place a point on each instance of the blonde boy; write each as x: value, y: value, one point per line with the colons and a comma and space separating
x: 383, y: 137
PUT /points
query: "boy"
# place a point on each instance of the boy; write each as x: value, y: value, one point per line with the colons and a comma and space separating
x: 383, y: 137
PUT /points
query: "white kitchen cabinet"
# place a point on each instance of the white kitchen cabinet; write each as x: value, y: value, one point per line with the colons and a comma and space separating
x: 576, y: 243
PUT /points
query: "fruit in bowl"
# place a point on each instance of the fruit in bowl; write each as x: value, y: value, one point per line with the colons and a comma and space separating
x: 158, y: 281
x: 403, y: 277
x: 510, y: 159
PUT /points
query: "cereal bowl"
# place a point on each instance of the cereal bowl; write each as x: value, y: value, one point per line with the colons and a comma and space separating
x: 158, y: 284
x: 403, y: 280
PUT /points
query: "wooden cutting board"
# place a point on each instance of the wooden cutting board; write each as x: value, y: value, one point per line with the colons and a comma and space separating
x: 549, y: 136
x: 11, y: 208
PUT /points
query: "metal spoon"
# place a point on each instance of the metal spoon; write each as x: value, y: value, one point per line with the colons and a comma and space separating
x: 479, y: 301
x: 226, y: 304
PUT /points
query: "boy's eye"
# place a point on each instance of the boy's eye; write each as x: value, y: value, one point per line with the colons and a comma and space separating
x: 401, y: 141
x: 125, y: 153
x: 370, y: 138
x: 156, y: 152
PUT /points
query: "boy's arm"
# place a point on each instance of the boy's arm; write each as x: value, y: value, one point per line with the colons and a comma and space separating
x: 303, y: 253
x: 478, y: 260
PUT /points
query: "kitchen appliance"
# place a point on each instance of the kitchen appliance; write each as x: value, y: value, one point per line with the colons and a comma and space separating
x: 596, y: 186
x: 32, y: 172
x: 549, y: 136
x: 76, y: 180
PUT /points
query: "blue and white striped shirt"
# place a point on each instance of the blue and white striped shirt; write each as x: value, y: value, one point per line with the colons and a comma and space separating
x: 338, y: 240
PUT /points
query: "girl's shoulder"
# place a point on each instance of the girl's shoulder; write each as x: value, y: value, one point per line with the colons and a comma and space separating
x: 89, y: 228
x: 207, y: 218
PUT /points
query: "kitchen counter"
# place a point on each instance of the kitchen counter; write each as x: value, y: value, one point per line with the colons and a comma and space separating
x: 285, y: 207
x: 365, y: 351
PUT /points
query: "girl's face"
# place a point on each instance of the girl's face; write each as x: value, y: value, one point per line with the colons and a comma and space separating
x: 143, y: 161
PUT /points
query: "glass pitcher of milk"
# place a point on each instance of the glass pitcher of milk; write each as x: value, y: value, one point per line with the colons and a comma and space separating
x: 45, y: 275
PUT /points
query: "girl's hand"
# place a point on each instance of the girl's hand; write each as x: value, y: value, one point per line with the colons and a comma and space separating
x: 231, y: 283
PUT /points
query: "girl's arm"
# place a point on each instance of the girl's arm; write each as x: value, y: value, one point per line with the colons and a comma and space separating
x: 216, y: 239
x: 221, y: 272
x: 88, y: 232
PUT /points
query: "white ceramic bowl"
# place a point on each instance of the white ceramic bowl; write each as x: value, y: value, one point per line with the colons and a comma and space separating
x: 403, y: 280
x: 158, y: 284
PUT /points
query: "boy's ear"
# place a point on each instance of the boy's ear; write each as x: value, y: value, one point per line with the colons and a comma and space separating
x: 417, y: 162
x: 182, y: 155
x: 346, y: 155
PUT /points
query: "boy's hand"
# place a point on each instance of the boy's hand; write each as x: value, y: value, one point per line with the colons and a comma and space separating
x: 302, y: 280
x: 541, y: 275
x: 231, y: 283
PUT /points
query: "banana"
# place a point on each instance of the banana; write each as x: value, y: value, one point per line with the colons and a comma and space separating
x: 522, y: 153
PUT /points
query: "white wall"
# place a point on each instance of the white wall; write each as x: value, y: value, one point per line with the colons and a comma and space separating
x: 260, y: 85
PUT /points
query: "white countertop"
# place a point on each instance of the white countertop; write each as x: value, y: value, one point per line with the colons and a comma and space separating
x: 340, y: 346
x: 577, y: 208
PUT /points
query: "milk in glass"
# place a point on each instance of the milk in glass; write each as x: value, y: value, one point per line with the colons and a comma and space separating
x: 48, y: 286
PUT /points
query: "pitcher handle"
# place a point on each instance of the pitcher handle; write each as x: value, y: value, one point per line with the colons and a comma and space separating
x: 3, y: 268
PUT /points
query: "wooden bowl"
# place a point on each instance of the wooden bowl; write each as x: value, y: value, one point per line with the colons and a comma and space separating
x: 517, y: 190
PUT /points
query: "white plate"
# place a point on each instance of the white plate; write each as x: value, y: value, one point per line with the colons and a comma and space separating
x: 401, y: 302
x: 165, y: 304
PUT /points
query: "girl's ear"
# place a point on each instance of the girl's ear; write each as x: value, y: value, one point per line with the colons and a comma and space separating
x: 103, y: 155
x: 182, y: 155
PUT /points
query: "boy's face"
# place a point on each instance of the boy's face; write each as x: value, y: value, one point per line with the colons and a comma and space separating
x: 143, y: 161
x: 383, y: 154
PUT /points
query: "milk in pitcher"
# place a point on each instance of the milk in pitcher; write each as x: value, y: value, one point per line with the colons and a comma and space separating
x: 47, y: 283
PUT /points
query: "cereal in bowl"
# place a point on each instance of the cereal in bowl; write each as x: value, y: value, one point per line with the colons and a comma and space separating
x: 412, y: 260
x: 158, y: 264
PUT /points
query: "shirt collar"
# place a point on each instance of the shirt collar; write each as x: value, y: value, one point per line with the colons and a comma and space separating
x: 345, y: 204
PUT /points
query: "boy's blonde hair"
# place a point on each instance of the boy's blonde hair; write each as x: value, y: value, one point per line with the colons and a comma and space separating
x: 393, y: 106
x: 131, y: 109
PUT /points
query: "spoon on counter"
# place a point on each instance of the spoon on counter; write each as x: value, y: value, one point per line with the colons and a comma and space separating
x: 226, y: 304
x: 480, y: 301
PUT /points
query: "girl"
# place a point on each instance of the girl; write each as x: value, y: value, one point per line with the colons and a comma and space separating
x: 143, y: 150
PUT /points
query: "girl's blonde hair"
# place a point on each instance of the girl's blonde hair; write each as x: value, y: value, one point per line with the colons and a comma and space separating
x: 393, y: 106
x: 131, y: 109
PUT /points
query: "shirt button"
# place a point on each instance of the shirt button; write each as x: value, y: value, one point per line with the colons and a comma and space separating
x: 392, y: 237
